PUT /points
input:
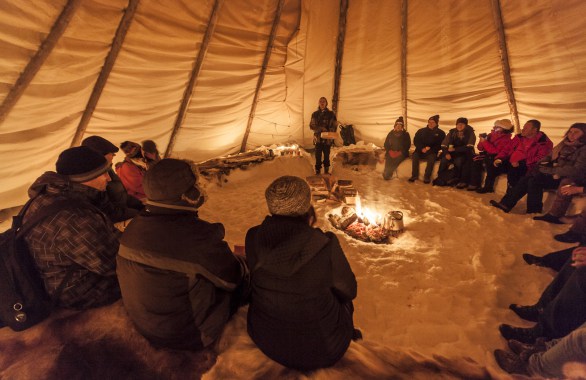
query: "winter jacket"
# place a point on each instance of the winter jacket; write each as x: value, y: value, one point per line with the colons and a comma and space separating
x: 461, y: 145
x: 572, y: 166
x: 131, y: 176
x: 428, y: 137
x: 300, y: 283
x: 81, y: 238
x: 495, y: 142
x: 177, y: 277
x: 323, y: 121
x: 530, y: 150
x: 398, y: 142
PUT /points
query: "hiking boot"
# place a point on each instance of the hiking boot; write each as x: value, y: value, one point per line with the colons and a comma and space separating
x: 528, y: 313
x: 484, y: 190
x: 510, y: 362
x: 461, y: 185
x: 317, y: 171
x: 526, y: 350
x: 426, y: 180
x: 521, y: 334
x: 549, y: 219
x: 412, y: 179
x: 499, y: 206
x: 472, y: 188
x: 569, y: 237
x: 533, y: 260
x: 327, y: 170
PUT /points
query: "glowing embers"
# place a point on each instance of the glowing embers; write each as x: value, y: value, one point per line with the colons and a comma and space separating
x: 367, y: 225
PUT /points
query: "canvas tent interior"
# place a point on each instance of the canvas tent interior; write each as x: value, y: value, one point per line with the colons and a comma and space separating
x: 210, y: 77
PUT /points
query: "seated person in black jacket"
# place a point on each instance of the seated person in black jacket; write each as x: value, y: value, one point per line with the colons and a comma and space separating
x: 180, y: 281
x: 427, y: 141
x: 397, y: 146
x: 300, y: 312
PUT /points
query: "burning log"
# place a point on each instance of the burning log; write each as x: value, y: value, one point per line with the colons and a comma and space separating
x: 365, y: 228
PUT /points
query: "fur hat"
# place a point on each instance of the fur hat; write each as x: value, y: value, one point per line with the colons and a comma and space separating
x: 436, y: 118
x: 81, y: 164
x: 399, y: 120
x: 504, y: 124
x: 169, y: 180
x: 100, y: 145
x: 462, y: 120
x: 288, y: 196
x: 130, y: 148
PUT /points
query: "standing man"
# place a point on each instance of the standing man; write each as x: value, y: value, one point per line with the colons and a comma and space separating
x: 427, y: 141
x: 322, y: 120
x: 79, y: 243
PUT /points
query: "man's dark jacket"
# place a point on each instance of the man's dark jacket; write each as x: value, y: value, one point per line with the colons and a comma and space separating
x: 302, y: 287
x: 428, y: 137
x: 177, y: 277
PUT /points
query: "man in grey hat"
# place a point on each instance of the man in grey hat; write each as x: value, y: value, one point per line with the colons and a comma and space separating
x: 180, y: 281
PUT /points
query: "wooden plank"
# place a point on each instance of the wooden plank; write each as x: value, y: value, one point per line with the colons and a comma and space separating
x: 213, y: 19
x: 263, y: 71
x: 35, y: 63
x: 117, y: 43
x: 404, y: 10
x: 339, y: 53
x: 504, y: 53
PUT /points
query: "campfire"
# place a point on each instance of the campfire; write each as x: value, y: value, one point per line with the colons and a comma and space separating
x: 365, y: 224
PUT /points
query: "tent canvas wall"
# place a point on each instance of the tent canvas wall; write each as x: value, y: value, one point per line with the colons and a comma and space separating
x: 210, y: 77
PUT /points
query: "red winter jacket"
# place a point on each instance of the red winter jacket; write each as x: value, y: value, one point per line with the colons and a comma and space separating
x: 532, y: 150
x: 131, y: 176
x: 495, y: 142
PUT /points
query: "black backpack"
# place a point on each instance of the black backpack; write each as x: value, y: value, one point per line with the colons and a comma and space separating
x: 347, y: 134
x: 24, y: 301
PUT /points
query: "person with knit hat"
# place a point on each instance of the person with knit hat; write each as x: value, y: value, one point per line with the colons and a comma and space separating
x: 322, y: 120
x: 132, y: 169
x: 79, y: 242
x: 457, y: 150
x: 117, y: 204
x: 397, y: 146
x: 427, y: 141
x: 180, y: 281
x: 300, y: 312
x: 489, y: 145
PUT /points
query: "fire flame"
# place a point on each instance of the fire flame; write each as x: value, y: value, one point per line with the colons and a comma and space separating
x: 365, y: 213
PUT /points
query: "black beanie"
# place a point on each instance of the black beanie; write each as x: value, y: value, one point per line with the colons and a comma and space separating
x: 462, y: 120
x: 168, y: 180
x: 100, y: 145
x: 399, y: 120
x: 436, y: 118
x: 81, y: 164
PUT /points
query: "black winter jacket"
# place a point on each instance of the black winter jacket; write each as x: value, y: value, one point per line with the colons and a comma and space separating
x: 398, y: 142
x: 302, y: 286
x: 177, y: 276
x: 428, y: 137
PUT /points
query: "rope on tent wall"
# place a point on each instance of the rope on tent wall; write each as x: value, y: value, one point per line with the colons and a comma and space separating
x: 339, y: 52
x: 504, y: 53
x: 39, y: 58
x: 194, y: 74
x: 404, y: 9
x: 263, y: 71
x: 117, y: 42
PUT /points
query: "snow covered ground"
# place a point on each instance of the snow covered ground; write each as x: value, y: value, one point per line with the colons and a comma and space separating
x: 444, y: 285
x: 440, y: 289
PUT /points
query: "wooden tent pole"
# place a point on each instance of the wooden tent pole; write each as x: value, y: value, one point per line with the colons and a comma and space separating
x: 263, y: 71
x: 339, y: 53
x: 35, y: 63
x: 404, y: 10
x: 504, y: 53
x: 117, y: 42
x: 213, y: 19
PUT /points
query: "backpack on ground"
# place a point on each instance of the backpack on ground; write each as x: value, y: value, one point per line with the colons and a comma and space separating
x: 24, y: 301
x: 347, y: 134
x: 446, y: 178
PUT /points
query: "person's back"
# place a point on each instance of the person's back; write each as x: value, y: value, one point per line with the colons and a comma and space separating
x: 80, y: 239
x: 177, y: 274
x: 300, y: 312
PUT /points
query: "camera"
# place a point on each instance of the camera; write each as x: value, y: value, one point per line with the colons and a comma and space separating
x: 483, y: 135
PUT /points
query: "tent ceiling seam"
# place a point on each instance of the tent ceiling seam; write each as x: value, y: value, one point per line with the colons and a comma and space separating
x: 340, y: 52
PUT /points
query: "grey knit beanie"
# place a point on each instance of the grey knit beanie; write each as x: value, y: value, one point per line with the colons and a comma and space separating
x: 288, y: 196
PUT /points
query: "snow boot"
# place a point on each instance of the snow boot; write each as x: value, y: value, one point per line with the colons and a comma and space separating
x: 528, y: 313
x: 510, y: 362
